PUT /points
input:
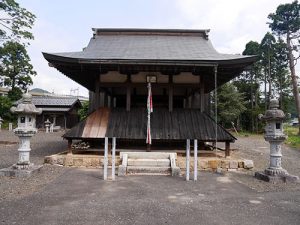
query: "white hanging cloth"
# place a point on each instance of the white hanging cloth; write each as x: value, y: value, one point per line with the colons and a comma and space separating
x: 149, y: 111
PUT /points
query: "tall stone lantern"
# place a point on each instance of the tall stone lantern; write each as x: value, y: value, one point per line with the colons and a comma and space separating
x: 26, y: 129
x: 274, y: 118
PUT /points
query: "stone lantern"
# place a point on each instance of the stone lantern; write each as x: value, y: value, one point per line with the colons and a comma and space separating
x: 47, y: 125
x: 274, y: 118
x: 26, y: 129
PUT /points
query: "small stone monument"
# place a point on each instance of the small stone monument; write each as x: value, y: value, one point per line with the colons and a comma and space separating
x: 26, y: 129
x: 274, y: 118
x: 10, y: 127
x: 47, y: 125
x: 1, y: 121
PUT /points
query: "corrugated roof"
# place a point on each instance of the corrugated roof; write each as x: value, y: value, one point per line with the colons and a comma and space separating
x: 180, y: 124
x: 119, y: 46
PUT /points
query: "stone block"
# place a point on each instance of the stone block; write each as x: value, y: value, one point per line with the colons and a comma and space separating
x: 233, y: 164
x: 175, y: 171
x: 213, y: 164
x: 241, y: 164
x: 12, y: 172
x: 202, y: 164
x: 87, y: 162
x: 77, y: 161
x: 69, y: 160
x: 95, y: 162
x: 219, y: 170
x: 60, y: 161
x: 122, y: 170
x: 224, y: 164
x: 248, y: 164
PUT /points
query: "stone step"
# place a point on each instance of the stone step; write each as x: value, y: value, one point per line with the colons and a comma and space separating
x: 146, y: 155
x: 149, y: 162
x: 144, y: 170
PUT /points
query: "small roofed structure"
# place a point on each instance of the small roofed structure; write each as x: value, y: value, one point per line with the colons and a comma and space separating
x: 181, y: 66
x: 61, y: 111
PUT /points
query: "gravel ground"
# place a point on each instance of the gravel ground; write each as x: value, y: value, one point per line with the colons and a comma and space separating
x: 42, y: 144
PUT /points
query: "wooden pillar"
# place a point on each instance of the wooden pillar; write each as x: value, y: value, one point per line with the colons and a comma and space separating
x: 170, y: 93
x: 128, y: 98
x: 227, y: 149
x: 202, y: 96
x: 70, y: 146
x: 148, y: 148
x: 128, y: 93
x: 97, y: 94
x: 190, y: 102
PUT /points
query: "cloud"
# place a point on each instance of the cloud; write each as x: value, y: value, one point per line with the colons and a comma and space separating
x: 230, y: 21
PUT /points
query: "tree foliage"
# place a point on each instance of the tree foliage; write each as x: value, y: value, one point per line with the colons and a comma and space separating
x: 83, y: 112
x: 285, y: 22
x: 15, y: 21
x: 15, y: 66
x: 230, y: 104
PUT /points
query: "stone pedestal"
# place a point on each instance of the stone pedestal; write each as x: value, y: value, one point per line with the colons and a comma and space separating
x: 20, y: 171
x: 274, y: 135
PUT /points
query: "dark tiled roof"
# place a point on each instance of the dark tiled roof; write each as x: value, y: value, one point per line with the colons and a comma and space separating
x: 39, y: 101
x: 53, y: 101
x: 132, y: 44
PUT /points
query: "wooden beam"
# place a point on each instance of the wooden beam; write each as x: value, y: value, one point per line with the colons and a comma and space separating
x: 159, y: 85
x: 69, y: 146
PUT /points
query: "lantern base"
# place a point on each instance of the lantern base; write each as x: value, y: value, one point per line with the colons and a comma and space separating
x: 20, y: 170
x: 276, y: 176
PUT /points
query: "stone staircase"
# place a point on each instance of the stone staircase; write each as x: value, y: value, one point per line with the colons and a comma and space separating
x: 148, y: 163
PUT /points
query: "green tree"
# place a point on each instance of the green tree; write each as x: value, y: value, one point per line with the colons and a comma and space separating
x: 15, y: 67
x: 5, y: 105
x: 267, y: 47
x: 15, y: 21
x: 248, y: 84
x: 230, y: 104
x: 285, y: 22
x: 83, y: 112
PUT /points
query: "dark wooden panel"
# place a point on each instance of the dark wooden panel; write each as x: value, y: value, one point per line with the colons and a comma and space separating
x: 180, y: 124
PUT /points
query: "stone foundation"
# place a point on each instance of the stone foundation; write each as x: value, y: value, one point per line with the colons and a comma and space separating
x: 15, y: 171
x: 96, y: 161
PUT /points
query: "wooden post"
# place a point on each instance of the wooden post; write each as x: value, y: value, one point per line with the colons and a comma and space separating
x: 128, y: 98
x: 195, y: 159
x: 202, y: 96
x: 187, y: 175
x: 105, y: 158
x: 148, y: 148
x: 113, y: 159
x: 170, y: 93
x: 70, y: 146
x: 227, y: 149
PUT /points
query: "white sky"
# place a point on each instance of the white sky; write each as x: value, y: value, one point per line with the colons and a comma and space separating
x: 63, y: 26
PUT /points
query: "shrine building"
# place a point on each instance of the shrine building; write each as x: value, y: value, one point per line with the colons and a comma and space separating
x: 183, y: 68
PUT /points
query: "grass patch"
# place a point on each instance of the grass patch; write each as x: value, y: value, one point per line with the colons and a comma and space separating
x: 293, y: 139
